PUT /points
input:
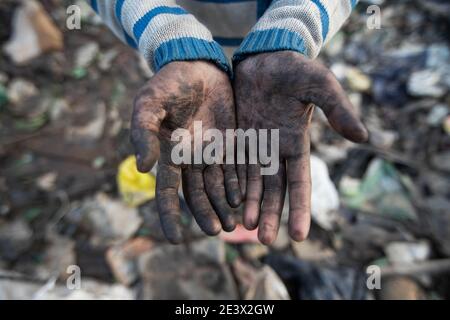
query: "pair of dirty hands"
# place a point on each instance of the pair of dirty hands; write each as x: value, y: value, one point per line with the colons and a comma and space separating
x: 270, y: 91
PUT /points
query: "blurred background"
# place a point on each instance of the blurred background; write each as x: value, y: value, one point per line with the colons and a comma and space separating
x: 72, y: 205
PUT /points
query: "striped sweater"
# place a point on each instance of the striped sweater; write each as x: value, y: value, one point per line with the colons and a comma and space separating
x: 169, y: 30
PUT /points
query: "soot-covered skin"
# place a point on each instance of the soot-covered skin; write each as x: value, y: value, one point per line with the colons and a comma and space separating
x: 179, y: 94
x: 279, y: 91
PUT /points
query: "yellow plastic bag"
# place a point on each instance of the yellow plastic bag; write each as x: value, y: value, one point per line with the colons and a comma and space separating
x: 135, y: 187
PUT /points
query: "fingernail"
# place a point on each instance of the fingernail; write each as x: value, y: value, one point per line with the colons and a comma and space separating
x: 138, y: 161
x: 229, y: 226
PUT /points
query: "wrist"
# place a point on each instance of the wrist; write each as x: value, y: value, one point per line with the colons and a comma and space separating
x: 272, y: 40
x: 192, y: 50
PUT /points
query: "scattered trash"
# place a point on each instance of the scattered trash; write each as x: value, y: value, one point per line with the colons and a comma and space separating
x: 20, y: 89
x: 407, y: 252
x: 355, y: 78
x: 109, y: 219
x: 33, y: 33
x: 15, y: 238
x: 267, y: 286
x: 90, y: 290
x: 135, y: 187
x: 92, y: 130
x: 362, y: 241
x: 86, y: 54
x: 201, y: 276
x: 254, y: 251
x: 426, y: 83
x: 122, y: 259
x: 358, y: 81
x: 88, y: 15
x: 441, y: 161
x: 383, y: 139
x: 58, y: 108
x: 324, y: 196
x: 106, y: 59
x: 59, y: 255
x: 79, y: 73
x: 3, y: 78
x: 98, y: 162
x: 309, y: 281
x: 437, y: 115
x: 425, y: 268
x: 84, y: 57
x: 400, y: 288
x: 47, y: 181
x: 333, y: 153
x: 311, y: 250
x: 439, y: 222
x: 29, y: 107
x: 259, y: 284
x: 381, y: 191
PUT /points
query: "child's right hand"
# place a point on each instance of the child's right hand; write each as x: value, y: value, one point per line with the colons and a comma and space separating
x: 179, y: 94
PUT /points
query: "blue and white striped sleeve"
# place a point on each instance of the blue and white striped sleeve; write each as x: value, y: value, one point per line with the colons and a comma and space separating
x: 299, y: 25
x: 161, y: 30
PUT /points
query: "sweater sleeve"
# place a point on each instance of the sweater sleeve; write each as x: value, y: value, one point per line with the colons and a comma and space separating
x: 161, y: 30
x: 299, y: 25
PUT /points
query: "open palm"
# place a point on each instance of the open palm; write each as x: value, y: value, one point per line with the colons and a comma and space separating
x: 279, y: 91
x: 177, y: 96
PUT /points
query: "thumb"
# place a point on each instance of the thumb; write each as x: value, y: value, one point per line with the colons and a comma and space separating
x: 145, y: 125
x: 331, y: 98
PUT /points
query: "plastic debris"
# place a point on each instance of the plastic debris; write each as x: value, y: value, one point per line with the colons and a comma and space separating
x: 122, y: 259
x: 20, y: 89
x: 59, y: 255
x: 106, y: 59
x: 47, y: 181
x: 135, y: 187
x: 441, y: 161
x: 324, y: 196
x: 310, y: 281
x: 355, y: 78
x: 86, y: 54
x: 254, y: 251
x: 310, y: 250
x: 203, y: 273
x: 90, y: 290
x: 90, y: 130
x: 426, y: 83
x: 437, y: 115
x: 407, y: 252
x: 15, y: 238
x: 400, y: 288
x: 110, y: 220
x: 33, y: 33
x: 439, y: 221
x: 383, y: 139
x: 381, y: 191
x: 259, y: 284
